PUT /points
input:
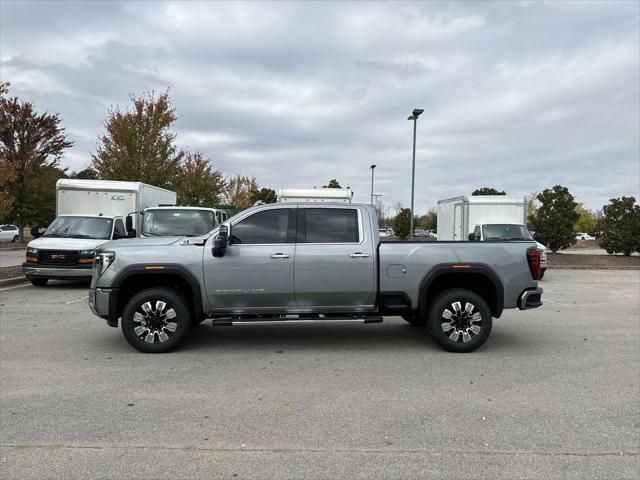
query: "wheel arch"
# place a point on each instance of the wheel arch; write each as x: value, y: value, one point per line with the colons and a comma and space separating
x: 135, y: 278
x: 479, y: 278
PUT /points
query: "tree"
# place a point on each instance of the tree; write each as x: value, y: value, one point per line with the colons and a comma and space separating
x: 84, y: 174
x: 333, y: 183
x: 587, y: 220
x: 239, y: 191
x: 532, y: 208
x: 7, y: 176
x: 265, y: 195
x: 620, y: 226
x: 31, y: 145
x: 138, y: 145
x: 555, y: 218
x: 487, y: 191
x: 429, y: 221
x: 198, y: 184
x: 402, y: 223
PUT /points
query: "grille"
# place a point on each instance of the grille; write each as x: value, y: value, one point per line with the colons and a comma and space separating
x: 58, y: 257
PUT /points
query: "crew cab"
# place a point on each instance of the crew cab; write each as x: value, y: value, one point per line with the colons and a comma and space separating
x: 308, y: 263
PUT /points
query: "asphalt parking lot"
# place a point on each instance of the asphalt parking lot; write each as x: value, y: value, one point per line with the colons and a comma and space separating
x: 553, y: 394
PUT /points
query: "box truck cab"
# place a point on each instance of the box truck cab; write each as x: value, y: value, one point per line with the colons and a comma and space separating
x: 89, y: 213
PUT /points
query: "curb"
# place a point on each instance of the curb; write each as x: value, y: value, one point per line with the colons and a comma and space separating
x: 12, y: 281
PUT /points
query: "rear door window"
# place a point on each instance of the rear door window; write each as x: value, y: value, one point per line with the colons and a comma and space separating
x: 331, y: 225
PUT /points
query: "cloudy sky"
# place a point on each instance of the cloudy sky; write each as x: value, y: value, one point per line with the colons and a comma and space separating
x: 517, y: 95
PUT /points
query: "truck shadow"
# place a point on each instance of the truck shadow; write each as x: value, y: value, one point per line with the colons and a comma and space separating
x: 319, y: 337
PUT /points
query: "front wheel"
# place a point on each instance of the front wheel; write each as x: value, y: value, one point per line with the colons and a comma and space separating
x: 14, y: 239
x: 38, y: 282
x: 460, y: 320
x: 156, y: 320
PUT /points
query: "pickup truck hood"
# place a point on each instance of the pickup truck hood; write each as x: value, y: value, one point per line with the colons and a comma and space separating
x: 141, y: 242
x: 57, y: 243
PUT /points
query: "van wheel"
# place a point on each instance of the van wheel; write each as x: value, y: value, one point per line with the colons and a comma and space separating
x: 14, y: 239
x: 38, y: 282
x: 156, y: 320
x: 414, y: 319
x: 460, y: 320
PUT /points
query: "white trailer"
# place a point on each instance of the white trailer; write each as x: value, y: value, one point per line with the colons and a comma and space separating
x: 110, y: 198
x: 328, y: 195
x: 459, y: 216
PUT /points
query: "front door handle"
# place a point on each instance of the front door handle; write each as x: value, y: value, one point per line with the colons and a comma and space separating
x: 280, y: 255
x: 359, y: 255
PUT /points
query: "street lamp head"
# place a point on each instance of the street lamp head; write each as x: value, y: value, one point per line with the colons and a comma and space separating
x: 415, y: 114
x: 372, y: 167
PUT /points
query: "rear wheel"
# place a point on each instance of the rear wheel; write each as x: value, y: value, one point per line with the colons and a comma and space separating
x: 156, y: 320
x: 14, y: 239
x: 460, y: 320
x: 38, y: 282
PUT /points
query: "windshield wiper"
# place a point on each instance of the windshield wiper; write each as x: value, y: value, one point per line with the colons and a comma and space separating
x: 78, y: 236
x: 151, y: 233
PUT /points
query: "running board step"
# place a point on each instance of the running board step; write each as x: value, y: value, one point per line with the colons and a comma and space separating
x: 228, y: 322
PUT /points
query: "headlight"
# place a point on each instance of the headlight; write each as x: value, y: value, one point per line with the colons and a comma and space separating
x: 86, y: 256
x: 102, y: 261
x: 32, y: 254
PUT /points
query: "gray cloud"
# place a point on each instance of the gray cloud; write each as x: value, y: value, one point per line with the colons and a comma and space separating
x: 520, y: 96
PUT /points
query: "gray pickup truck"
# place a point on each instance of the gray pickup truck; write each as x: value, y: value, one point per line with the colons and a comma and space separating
x: 294, y: 263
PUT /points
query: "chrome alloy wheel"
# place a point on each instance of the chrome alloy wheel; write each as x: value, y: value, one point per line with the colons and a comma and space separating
x: 155, y: 324
x: 461, y: 324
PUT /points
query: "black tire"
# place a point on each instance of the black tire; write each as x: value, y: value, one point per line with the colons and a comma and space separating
x: 155, y: 322
x: 541, y: 274
x: 38, y: 282
x: 14, y: 239
x: 458, y: 321
x: 414, y: 319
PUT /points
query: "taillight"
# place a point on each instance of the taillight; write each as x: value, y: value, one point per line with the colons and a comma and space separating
x: 533, y: 258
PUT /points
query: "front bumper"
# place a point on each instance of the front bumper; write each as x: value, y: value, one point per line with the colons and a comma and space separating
x: 530, y: 298
x: 35, y: 270
x: 103, y: 302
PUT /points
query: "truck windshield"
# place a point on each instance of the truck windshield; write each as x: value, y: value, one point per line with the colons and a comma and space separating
x: 505, y: 232
x: 80, y: 227
x: 179, y: 222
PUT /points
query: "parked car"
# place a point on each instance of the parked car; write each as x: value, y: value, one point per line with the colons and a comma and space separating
x: 584, y: 236
x: 420, y: 233
x: 301, y: 263
x: 9, y: 233
x: 383, y: 232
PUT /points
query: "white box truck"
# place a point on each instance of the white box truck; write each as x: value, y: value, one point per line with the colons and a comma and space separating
x: 88, y: 213
x: 459, y: 216
x: 486, y: 218
x: 328, y: 195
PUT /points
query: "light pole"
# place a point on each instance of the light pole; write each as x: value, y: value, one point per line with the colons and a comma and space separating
x: 414, y: 116
x: 372, y: 167
x: 377, y: 205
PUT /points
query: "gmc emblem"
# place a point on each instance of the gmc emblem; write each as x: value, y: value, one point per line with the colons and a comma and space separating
x: 58, y: 257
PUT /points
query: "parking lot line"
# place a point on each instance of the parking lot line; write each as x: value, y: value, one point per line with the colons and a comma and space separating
x: 14, y: 287
x: 77, y: 300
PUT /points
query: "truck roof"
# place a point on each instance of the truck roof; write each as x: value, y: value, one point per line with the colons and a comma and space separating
x: 175, y: 207
x: 108, y: 185
x: 487, y: 199
x: 96, y: 215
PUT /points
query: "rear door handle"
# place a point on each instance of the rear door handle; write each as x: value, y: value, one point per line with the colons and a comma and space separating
x: 280, y: 255
x: 359, y: 255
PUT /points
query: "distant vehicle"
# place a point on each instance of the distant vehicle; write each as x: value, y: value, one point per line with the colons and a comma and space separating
x: 420, y: 233
x: 316, y: 195
x: 383, y: 232
x: 9, y: 233
x: 508, y: 232
x: 458, y: 217
x: 584, y: 236
x: 178, y: 221
x: 89, y: 213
